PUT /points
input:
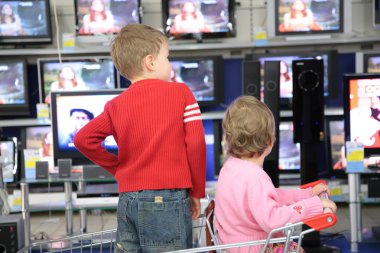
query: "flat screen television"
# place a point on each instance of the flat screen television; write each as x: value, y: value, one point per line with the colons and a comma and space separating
x: 25, y: 22
x: 199, y: 19
x: 92, y: 73
x: 286, y: 72
x: 202, y: 75
x: 14, y: 93
x: 8, y: 159
x: 71, y: 110
x: 303, y: 18
x: 376, y: 14
x: 100, y: 19
x: 371, y: 63
x: 213, y: 148
x: 362, y: 110
x: 289, y: 152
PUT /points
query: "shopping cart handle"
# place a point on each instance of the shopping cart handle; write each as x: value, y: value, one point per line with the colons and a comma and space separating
x: 312, y: 184
x: 321, y: 221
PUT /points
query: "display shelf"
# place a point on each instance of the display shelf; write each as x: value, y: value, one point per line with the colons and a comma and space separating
x: 24, y: 122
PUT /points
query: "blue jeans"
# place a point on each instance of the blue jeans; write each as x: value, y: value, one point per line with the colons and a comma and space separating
x: 154, y: 221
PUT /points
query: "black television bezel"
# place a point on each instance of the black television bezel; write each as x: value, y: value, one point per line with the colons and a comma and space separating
x: 76, y: 156
x: 42, y: 61
x: 199, y: 36
x: 77, y: 27
x: 346, y: 107
x: 10, y: 110
x: 340, y: 30
x: 332, y: 68
x: 38, y: 39
x: 218, y: 78
x: 366, y: 57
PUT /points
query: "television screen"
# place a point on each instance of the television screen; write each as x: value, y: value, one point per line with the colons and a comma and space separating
x: 336, y: 142
x: 308, y: 16
x: 202, y: 76
x: 198, y: 19
x: 94, y: 17
x: 286, y: 72
x: 8, y: 159
x: 75, y: 74
x: 14, y: 95
x: 376, y: 14
x: 362, y: 110
x: 24, y: 22
x: 289, y: 152
x: 371, y: 63
x: 70, y: 112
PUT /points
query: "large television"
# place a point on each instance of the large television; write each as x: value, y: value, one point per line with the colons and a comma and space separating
x: 302, y: 18
x: 14, y: 92
x: 362, y: 110
x: 80, y: 73
x: 8, y: 159
x: 199, y: 19
x: 25, y: 22
x: 289, y: 152
x: 202, y: 75
x: 371, y: 62
x: 99, y: 20
x: 71, y: 110
x: 286, y: 73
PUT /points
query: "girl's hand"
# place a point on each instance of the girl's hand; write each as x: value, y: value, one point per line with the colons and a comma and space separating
x: 327, y: 203
x: 319, y: 188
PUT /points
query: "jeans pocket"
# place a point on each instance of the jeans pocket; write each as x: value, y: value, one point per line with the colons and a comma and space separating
x: 159, y: 223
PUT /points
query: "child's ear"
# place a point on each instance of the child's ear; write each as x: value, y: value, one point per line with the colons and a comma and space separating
x: 149, y: 62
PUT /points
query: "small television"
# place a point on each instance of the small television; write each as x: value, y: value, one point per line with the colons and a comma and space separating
x: 99, y: 20
x: 371, y: 63
x: 8, y: 159
x: 199, y: 19
x: 71, y: 110
x: 376, y: 14
x: 361, y: 93
x: 40, y: 138
x: 289, y: 152
x: 14, y: 93
x: 303, y: 18
x: 25, y: 22
x: 286, y: 73
x: 80, y: 73
x: 202, y: 75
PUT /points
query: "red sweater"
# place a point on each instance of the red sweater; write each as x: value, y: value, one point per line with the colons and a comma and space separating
x: 158, y: 128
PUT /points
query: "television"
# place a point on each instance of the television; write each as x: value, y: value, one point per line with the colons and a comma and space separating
x: 71, y: 110
x: 202, y: 75
x: 305, y: 19
x: 14, y: 93
x: 286, y: 73
x: 77, y: 73
x: 376, y: 14
x: 25, y: 22
x: 289, y: 152
x: 213, y: 148
x: 98, y: 20
x: 8, y: 159
x: 371, y: 62
x: 361, y: 94
x: 199, y: 19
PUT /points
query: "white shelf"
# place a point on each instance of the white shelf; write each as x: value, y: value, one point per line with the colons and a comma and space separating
x: 24, y: 122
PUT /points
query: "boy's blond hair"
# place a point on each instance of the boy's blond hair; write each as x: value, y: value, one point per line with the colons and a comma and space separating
x: 249, y: 127
x: 132, y: 45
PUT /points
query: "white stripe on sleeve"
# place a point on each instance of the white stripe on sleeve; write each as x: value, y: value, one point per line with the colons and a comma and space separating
x: 191, y: 106
x: 192, y: 119
x: 196, y: 111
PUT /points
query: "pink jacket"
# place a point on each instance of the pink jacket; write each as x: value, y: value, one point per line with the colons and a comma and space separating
x: 248, y: 206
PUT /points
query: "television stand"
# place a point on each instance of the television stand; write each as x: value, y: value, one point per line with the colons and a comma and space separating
x: 309, y: 37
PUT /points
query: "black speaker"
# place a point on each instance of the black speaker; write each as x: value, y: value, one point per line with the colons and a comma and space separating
x: 11, y: 233
x: 64, y: 168
x: 42, y: 169
x: 251, y: 78
x: 308, y: 101
x: 272, y: 100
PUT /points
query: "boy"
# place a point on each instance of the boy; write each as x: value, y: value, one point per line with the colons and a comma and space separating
x: 162, y: 152
x: 247, y: 205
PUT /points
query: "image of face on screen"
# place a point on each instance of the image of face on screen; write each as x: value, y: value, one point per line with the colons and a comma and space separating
x: 198, y: 75
x: 98, y: 20
x: 12, y: 89
x: 7, y: 159
x: 364, y: 112
x: 308, y: 15
x: 10, y: 23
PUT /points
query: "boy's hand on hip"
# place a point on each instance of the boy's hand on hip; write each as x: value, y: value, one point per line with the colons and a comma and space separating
x: 195, y: 207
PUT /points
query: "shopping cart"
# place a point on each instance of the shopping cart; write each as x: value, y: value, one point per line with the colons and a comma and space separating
x: 204, y: 238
